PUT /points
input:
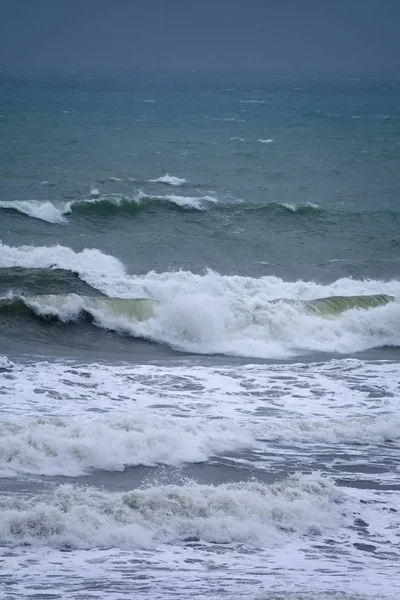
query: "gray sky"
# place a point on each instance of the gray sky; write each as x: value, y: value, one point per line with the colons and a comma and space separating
x: 322, y: 35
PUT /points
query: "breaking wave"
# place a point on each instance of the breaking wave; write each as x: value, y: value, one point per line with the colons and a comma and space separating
x: 70, y: 447
x: 169, y: 180
x: 250, y: 513
x: 103, y: 204
x: 44, y: 211
x: 71, y: 307
x: 262, y: 317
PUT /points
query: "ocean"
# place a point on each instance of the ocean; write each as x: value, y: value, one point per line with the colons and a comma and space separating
x: 199, y: 336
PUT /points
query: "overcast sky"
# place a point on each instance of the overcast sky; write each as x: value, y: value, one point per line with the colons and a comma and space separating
x: 320, y: 35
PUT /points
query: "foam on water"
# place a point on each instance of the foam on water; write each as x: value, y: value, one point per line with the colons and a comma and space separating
x: 314, y: 391
x: 169, y: 180
x: 245, y: 533
x: 299, y: 529
x: 200, y: 569
x: 193, y: 202
x: 211, y: 313
x: 71, y: 447
x: 247, y: 513
x: 296, y: 207
x: 45, y: 211
x: 262, y: 416
x: 252, y: 101
x: 94, y: 192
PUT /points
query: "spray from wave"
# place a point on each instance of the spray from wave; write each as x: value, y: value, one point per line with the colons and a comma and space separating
x: 250, y: 513
x: 265, y: 317
x: 44, y: 211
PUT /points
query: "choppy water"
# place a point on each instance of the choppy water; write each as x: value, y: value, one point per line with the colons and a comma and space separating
x: 199, y: 333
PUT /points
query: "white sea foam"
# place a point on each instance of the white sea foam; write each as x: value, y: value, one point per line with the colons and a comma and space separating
x: 169, y: 180
x: 247, y: 513
x: 241, y: 571
x: 252, y: 101
x: 189, y: 201
x: 91, y: 264
x: 161, y: 414
x: 71, y: 447
x: 94, y: 192
x: 5, y: 363
x: 55, y: 390
x: 45, y: 211
x: 224, y: 314
x: 180, y: 572
x: 265, y: 141
x: 296, y: 207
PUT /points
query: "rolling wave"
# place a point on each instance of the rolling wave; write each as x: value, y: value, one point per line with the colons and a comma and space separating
x: 44, y: 211
x: 264, y: 317
x: 72, y: 307
x: 334, y: 305
x: 99, y: 204
x: 245, y: 512
x: 108, y: 204
x: 70, y: 447
x: 270, y: 329
x: 104, y: 204
x: 284, y: 209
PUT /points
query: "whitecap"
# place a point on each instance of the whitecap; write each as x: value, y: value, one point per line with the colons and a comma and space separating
x: 252, y: 513
x: 44, y: 211
x: 212, y: 314
x: 253, y: 101
x: 94, y: 192
x: 169, y: 180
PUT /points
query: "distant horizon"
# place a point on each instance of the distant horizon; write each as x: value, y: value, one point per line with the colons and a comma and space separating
x: 286, y: 72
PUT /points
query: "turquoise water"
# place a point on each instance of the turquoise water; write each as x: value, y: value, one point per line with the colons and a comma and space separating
x: 325, y: 188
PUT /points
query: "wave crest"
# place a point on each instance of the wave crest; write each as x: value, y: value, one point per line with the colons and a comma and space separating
x: 209, y: 325
x: 169, y: 180
x: 251, y: 513
x: 265, y: 317
x: 103, y: 204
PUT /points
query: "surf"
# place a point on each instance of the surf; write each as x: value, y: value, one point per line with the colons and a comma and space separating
x: 105, y: 204
x: 278, y: 327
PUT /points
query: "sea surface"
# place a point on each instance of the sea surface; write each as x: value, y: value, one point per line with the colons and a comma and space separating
x: 199, y: 337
